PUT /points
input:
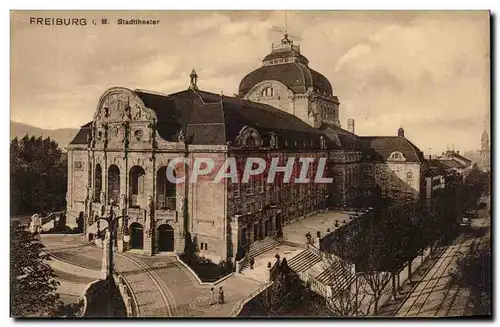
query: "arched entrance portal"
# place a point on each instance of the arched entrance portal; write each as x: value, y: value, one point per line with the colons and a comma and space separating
x: 136, y: 236
x: 165, y: 238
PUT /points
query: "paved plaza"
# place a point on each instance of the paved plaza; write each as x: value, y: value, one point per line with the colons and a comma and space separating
x: 161, y: 286
x: 296, y: 231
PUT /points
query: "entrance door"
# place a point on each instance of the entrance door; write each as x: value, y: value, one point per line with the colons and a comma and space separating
x: 255, y: 232
x: 266, y: 228
x: 136, y: 236
x: 165, y: 238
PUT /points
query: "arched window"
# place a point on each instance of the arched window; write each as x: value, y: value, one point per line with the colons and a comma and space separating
x: 268, y: 92
x: 114, y: 183
x: 97, y: 182
x: 165, y: 190
x: 136, y: 186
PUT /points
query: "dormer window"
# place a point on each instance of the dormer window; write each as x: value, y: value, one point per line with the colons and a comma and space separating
x: 397, y: 156
x: 268, y: 92
x: 251, y: 141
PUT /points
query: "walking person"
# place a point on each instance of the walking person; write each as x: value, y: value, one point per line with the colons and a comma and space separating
x: 221, y: 295
x: 252, y: 262
x: 211, y: 298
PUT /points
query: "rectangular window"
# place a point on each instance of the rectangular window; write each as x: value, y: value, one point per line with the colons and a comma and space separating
x: 261, y: 184
x: 249, y: 186
x: 236, y: 190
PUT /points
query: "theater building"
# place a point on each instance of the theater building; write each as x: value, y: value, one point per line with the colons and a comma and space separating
x: 284, y: 109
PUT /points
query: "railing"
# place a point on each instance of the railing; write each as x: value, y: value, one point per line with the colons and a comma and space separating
x: 166, y: 203
x: 134, y: 200
x: 127, y: 294
x: 239, y: 306
x: 242, y: 263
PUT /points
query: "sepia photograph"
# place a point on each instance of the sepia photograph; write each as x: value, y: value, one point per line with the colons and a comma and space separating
x: 250, y: 164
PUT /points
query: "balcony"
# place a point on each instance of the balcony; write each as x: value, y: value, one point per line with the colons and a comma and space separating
x: 166, y: 203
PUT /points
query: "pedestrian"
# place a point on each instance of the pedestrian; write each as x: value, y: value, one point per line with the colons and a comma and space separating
x: 252, y: 262
x: 221, y: 295
x: 211, y: 298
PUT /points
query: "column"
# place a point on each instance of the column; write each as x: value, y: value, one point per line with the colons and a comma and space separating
x: 105, y: 255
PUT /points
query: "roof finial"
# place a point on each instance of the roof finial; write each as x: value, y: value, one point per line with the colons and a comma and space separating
x: 222, y: 92
x: 194, y: 79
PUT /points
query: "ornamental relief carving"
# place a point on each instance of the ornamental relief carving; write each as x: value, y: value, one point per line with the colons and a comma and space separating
x: 122, y: 105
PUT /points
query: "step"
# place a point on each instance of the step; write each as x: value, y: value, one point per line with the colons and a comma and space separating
x: 303, y: 261
x: 260, y: 247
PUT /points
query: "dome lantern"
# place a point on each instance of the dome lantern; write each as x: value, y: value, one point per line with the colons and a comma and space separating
x: 194, y: 79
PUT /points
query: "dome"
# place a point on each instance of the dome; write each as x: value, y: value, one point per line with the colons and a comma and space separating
x: 286, y: 65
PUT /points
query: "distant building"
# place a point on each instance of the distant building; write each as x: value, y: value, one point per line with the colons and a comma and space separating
x: 453, y: 161
x: 481, y: 157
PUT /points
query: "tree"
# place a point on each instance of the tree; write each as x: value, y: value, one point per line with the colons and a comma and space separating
x: 285, y: 293
x: 38, y: 175
x: 474, y: 272
x: 33, y: 283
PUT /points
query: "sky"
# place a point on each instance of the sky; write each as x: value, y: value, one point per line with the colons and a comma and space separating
x: 427, y: 72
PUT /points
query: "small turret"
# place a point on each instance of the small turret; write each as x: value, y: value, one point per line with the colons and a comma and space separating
x: 401, y: 132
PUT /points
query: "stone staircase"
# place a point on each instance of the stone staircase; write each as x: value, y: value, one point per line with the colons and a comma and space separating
x: 259, y: 247
x: 303, y: 261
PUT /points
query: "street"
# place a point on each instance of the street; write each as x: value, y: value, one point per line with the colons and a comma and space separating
x: 433, y: 296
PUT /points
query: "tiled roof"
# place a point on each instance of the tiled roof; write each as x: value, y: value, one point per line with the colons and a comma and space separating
x: 81, y: 136
x: 296, y: 76
x: 346, y: 140
x: 213, y: 119
x: 450, y: 163
x: 379, y: 148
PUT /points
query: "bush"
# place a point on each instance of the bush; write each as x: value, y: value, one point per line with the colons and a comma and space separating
x: 206, y: 270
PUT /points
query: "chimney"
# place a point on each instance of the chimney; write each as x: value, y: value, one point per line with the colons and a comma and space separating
x: 401, y: 132
x: 350, y: 125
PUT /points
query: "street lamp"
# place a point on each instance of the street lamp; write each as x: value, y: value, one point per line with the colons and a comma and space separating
x: 112, y: 219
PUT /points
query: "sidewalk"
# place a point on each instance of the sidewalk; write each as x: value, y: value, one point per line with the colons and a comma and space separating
x: 391, y: 306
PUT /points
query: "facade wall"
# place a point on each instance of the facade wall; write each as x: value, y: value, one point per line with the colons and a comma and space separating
x: 399, y: 180
x: 207, y: 219
x: 78, y: 167
x: 309, y: 107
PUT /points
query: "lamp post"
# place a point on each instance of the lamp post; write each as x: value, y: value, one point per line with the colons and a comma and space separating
x: 112, y: 219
